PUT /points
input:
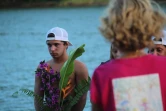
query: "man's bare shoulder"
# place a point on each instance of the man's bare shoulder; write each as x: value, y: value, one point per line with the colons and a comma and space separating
x: 80, y: 69
x: 49, y: 62
x: 79, y: 64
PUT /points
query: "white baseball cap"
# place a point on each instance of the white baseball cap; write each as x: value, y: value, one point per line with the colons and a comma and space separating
x: 58, y: 33
x: 162, y: 40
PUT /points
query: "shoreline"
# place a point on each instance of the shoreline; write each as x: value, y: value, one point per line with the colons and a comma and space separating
x: 54, y: 4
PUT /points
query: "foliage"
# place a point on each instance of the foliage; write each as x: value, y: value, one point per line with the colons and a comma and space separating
x: 30, y: 93
x: 80, y: 89
x: 67, y: 69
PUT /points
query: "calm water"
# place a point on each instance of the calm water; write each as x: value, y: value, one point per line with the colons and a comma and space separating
x: 22, y: 39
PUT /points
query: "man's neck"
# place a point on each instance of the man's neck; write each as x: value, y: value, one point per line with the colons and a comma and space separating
x: 60, y: 59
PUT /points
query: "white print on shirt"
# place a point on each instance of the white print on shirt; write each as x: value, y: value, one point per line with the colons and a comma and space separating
x: 138, y: 93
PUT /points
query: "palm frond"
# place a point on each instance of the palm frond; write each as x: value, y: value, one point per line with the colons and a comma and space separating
x: 30, y: 93
x: 80, y: 89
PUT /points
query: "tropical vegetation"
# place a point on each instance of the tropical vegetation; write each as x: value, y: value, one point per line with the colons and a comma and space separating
x: 58, y: 98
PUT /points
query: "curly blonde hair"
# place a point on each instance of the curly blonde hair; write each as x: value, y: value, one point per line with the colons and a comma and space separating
x: 130, y: 24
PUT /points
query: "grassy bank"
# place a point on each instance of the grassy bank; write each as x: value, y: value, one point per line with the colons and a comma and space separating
x: 44, y: 3
x: 54, y: 3
x: 83, y: 2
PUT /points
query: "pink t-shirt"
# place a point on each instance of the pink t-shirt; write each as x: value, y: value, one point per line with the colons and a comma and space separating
x: 130, y: 83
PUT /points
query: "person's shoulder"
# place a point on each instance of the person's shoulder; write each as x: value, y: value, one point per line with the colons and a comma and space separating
x: 79, y: 63
x: 79, y: 66
x: 49, y: 61
x: 43, y: 62
x: 80, y: 69
x: 104, y: 66
x: 161, y: 59
x: 104, y: 62
x: 157, y: 58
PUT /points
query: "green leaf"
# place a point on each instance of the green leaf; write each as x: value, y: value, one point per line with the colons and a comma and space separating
x: 68, y: 67
x: 81, y: 89
x: 30, y: 93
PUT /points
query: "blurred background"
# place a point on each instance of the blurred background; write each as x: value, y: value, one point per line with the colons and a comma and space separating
x: 23, y: 27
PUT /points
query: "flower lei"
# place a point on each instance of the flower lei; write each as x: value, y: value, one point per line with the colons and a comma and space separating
x: 48, y: 78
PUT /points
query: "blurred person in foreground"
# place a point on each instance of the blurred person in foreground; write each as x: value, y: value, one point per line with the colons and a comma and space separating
x: 159, y: 48
x: 48, y: 73
x: 136, y: 81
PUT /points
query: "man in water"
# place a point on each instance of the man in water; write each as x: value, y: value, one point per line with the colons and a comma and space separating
x: 47, y: 83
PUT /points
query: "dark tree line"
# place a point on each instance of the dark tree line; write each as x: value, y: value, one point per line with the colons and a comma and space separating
x: 15, y: 3
x: 18, y: 3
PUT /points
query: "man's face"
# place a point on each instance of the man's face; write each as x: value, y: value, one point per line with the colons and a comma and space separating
x: 159, y: 50
x: 115, y: 53
x: 56, y: 48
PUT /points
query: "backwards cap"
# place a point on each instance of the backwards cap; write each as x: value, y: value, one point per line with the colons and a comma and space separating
x: 58, y: 33
x: 162, y: 40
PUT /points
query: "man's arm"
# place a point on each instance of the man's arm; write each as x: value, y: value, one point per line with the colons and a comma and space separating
x: 38, y: 92
x: 81, y: 74
x: 79, y: 106
x: 96, y: 107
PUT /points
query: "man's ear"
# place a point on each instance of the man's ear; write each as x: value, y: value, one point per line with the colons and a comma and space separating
x: 67, y: 45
